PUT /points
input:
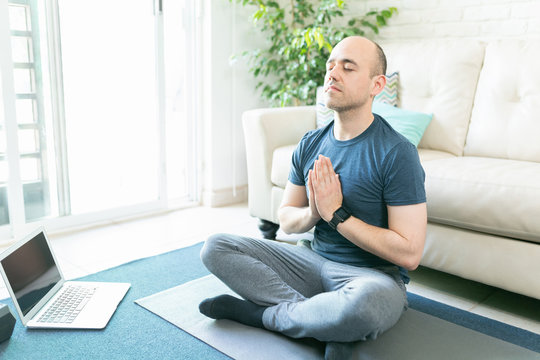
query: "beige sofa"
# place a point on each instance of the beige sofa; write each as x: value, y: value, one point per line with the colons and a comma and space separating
x: 481, y: 155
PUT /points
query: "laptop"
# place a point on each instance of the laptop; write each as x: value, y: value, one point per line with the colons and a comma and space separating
x: 43, y: 298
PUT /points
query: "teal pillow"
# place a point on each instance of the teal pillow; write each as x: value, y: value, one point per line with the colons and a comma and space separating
x: 410, y: 124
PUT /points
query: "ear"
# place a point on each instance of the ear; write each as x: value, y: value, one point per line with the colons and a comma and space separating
x: 379, y: 82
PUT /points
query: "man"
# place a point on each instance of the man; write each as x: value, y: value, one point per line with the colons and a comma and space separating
x: 361, y: 185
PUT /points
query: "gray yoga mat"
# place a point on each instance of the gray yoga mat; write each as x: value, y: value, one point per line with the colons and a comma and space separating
x: 416, y: 336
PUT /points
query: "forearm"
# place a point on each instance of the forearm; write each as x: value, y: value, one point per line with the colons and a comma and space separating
x: 296, y: 219
x: 384, y: 243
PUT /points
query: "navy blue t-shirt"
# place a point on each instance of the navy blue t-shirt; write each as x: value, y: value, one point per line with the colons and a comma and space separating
x: 377, y: 168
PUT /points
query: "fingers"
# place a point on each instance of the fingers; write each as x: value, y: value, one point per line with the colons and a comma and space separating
x: 323, y: 170
x: 325, y: 186
x: 310, y: 183
x: 311, y: 200
x: 328, y: 164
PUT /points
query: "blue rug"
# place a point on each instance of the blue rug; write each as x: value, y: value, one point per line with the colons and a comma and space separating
x: 134, y: 333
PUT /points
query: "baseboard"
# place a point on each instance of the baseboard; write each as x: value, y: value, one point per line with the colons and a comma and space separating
x: 227, y: 196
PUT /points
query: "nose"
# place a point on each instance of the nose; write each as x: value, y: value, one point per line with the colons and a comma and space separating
x: 332, y: 74
x: 329, y: 77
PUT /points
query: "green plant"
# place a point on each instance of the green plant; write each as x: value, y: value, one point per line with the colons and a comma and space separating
x: 300, y: 35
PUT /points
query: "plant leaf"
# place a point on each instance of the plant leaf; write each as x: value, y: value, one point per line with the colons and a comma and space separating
x: 289, y: 67
x: 307, y: 37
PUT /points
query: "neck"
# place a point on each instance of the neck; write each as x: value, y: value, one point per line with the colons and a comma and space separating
x: 351, y: 123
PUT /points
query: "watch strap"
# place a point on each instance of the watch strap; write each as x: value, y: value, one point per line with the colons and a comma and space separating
x: 340, y: 215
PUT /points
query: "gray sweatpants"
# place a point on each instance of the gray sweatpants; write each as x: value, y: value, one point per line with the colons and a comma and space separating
x: 306, y: 294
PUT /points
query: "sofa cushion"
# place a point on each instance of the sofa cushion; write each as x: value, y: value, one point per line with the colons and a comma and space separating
x: 281, y: 165
x: 440, y: 79
x: 505, y: 121
x: 427, y: 155
x: 495, y: 196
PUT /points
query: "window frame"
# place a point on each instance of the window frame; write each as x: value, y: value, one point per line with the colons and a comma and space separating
x: 18, y: 225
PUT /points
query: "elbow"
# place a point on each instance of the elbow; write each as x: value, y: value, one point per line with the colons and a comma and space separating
x: 282, y: 222
x: 412, y: 262
x: 283, y: 226
x: 286, y: 231
x: 411, y: 266
x: 416, y: 252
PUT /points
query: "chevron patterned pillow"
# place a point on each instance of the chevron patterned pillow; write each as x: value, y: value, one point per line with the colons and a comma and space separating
x: 389, y: 95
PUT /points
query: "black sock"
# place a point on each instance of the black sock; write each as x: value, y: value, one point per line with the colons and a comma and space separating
x: 338, y: 351
x: 232, y: 308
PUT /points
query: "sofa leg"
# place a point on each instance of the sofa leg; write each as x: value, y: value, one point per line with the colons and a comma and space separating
x: 268, y: 229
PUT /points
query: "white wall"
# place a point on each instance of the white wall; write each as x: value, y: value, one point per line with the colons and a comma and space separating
x: 230, y: 90
x: 479, y: 19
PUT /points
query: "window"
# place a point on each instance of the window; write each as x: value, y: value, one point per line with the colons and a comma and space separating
x: 110, y: 103
x: 30, y: 121
x: 96, y: 123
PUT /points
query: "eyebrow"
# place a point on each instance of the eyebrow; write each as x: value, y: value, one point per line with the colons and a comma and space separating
x: 349, y: 61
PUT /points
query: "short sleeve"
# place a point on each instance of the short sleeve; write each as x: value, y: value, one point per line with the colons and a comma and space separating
x: 404, y: 176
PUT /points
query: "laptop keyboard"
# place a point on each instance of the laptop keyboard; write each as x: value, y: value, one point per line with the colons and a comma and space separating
x: 68, y: 305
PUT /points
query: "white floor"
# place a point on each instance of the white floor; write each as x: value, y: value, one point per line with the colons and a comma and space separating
x: 89, y: 251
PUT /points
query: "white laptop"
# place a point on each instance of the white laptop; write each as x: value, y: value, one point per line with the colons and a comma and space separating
x: 43, y: 298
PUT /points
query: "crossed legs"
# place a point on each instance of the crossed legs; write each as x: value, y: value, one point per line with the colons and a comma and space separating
x: 293, y: 290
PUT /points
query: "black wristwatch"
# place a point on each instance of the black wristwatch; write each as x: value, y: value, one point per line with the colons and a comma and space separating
x: 340, y: 215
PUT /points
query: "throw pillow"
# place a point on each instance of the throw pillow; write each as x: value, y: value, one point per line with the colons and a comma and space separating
x: 410, y: 124
x: 389, y: 95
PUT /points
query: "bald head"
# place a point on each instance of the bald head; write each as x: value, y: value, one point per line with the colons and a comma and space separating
x: 354, y: 75
x: 368, y: 48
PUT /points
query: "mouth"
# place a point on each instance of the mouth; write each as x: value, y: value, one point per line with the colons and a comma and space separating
x: 332, y: 88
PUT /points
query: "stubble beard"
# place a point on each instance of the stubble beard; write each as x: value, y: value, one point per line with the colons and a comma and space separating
x: 345, y: 106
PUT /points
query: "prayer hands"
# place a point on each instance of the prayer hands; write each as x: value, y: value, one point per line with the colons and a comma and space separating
x: 325, y: 195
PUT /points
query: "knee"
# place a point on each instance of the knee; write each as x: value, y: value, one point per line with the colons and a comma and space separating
x: 377, y: 311
x: 213, y: 248
x: 364, y: 310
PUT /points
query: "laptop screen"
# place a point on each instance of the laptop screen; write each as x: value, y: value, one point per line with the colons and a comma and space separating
x: 31, y: 272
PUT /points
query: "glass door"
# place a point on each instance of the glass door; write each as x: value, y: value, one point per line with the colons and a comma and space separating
x: 97, y: 111
x: 111, y: 117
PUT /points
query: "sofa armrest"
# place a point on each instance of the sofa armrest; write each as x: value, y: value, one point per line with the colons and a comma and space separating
x: 264, y: 131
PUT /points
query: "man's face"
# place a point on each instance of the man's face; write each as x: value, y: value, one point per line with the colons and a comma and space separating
x: 348, y: 83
